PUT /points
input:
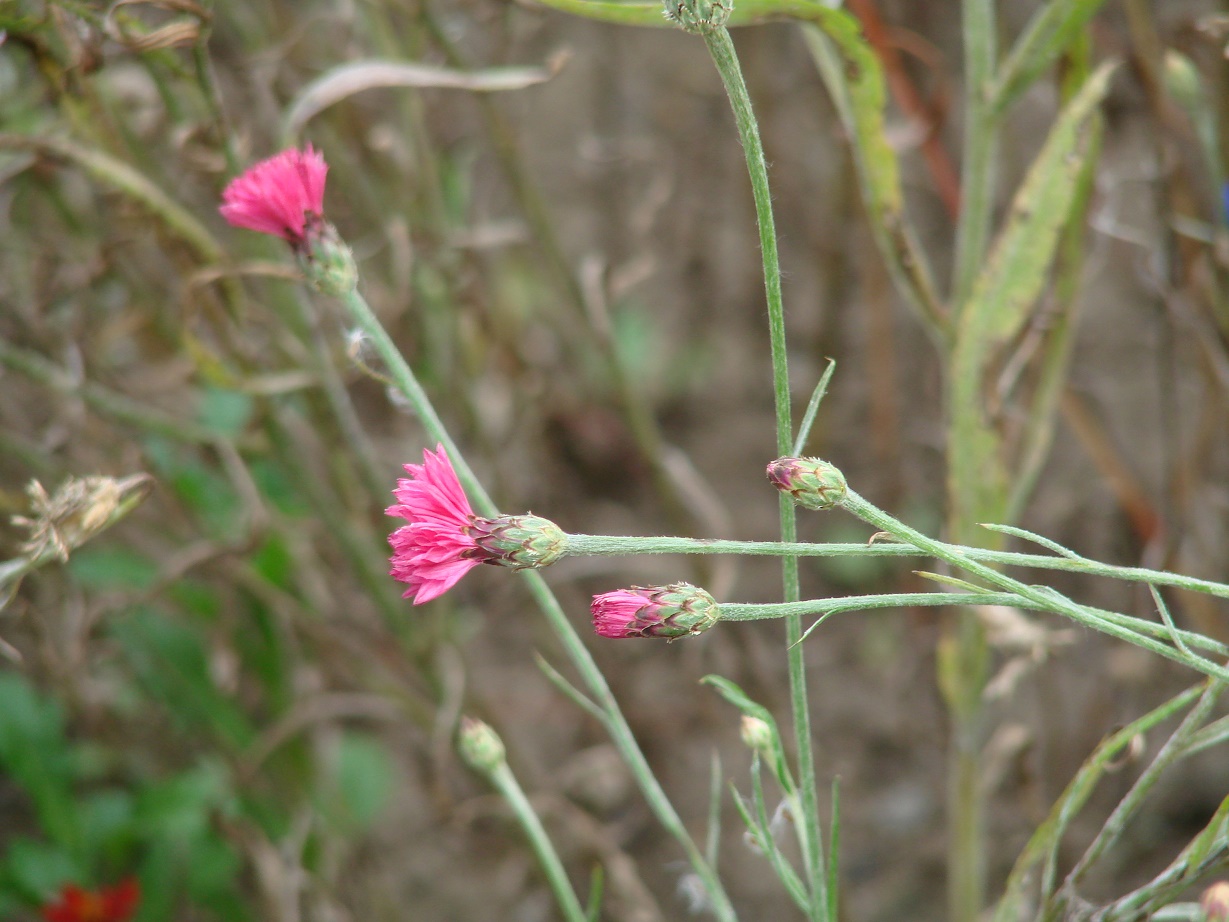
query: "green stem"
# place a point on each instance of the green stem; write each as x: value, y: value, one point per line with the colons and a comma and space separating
x: 1173, y: 750
x: 739, y: 611
x: 977, y: 173
x: 405, y: 381
x: 721, y: 48
x: 759, y: 611
x: 507, y: 785
x: 965, y: 672
x: 620, y: 545
x: 1041, y: 597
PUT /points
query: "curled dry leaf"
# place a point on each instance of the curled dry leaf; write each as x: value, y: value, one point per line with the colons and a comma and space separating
x: 348, y: 79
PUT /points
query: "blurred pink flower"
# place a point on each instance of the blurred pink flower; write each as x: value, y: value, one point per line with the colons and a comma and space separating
x: 281, y: 196
x: 435, y: 549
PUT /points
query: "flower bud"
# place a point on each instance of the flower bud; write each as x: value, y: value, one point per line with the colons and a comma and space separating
x: 813, y: 484
x: 658, y: 611
x: 326, y: 261
x: 698, y: 16
x: 480, y: 746
x: 756, y: 734
x: 520, y: 542
x: 1215, y: 902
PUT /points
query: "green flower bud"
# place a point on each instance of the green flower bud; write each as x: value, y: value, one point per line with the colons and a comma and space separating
x: 813, y: 484
x: 480, y: 746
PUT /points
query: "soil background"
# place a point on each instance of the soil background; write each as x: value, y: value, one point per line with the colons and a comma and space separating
x: 630, y: 151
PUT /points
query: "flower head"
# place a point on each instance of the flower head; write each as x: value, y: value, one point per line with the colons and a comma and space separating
x: 444, y: 538
x: 434, y: 550
x: 281, y: 196
x: 813, y: 484
x: 480, y: 746
x: 658, y: 611
x: 110, y: 904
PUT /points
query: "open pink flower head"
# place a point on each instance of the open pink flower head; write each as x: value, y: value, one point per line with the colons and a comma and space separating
x: 434, y: 550
x: 278, y: 196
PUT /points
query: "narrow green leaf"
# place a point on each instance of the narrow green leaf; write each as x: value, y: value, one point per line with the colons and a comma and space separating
x: 854, y: 77
x: 1048, y: 34
x: 1024, y: 250
x: 1003, y: 297
x: 36, y: 756
x: 817, y: 397
x: 737, y: 697
x: 1033, y: 537
x: 1042, y: 847
x: 171, y: 661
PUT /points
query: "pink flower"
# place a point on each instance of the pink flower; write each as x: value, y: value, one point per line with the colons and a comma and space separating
x: 282, y: 196
x: 435, y: 549
x: 656, y: 611
x: 617, y: 614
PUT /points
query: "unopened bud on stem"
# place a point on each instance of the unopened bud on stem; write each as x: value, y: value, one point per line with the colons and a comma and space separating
x: 756, y: 734
x: 480, y: 746
x: 813, y: 484
x: 670, y: 611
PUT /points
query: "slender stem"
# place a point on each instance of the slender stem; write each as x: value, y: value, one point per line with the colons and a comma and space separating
x: 1173, y: 750
x: 1042, y: 597
x: 757, y: 611
x: 404, y: 379
x: 721, y: 48
x: 507, y: 785
x: 966, y: 845
x: 977, y: 171
x: 620, y: 545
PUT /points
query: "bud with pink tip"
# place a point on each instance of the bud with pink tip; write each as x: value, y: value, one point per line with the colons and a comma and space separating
x: 1215, y: 902
x: 813, y: 484
x: 670, y: 611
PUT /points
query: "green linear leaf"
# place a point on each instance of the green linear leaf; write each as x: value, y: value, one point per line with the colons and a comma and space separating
x: 1047, y: 35
x: 1024, y: 250
x: 854, y: 77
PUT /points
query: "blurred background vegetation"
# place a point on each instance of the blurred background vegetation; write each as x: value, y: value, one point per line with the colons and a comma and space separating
x: 225, y: 694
